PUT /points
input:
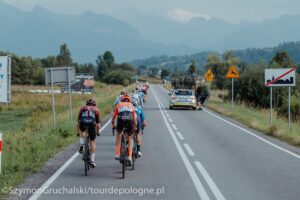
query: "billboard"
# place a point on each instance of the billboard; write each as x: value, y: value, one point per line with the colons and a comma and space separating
x: 5, y: 79
x: 83, y: 83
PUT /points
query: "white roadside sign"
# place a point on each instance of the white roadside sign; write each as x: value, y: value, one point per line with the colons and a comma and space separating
x: 280, y: 77
x: 4, y: 79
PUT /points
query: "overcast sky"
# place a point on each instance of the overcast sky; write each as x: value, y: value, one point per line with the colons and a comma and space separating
x: 179, y: 10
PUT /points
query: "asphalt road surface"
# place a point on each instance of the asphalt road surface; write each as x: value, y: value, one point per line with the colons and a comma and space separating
x: 186, y: 155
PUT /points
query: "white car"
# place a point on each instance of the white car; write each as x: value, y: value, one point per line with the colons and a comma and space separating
x: 182, y: 98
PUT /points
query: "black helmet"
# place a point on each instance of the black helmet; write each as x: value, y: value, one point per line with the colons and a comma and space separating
x: 90, y: 102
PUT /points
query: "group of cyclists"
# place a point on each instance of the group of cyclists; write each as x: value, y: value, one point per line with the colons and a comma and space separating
x: 129, y: 115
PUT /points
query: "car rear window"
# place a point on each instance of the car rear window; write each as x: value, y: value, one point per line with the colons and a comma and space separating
x: 183, y: 92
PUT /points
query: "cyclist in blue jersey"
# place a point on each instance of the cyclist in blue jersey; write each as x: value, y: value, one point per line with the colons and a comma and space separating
x: 140, y: 121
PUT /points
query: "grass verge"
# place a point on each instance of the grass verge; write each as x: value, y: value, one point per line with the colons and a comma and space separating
x: 29, y: 139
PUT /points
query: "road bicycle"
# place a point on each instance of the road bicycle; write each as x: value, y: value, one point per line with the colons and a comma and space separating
x: 124, y: 152
x: 86, y: 152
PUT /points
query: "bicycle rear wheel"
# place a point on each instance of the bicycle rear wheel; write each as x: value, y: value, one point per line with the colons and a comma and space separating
x: 86, y: 155
x: 86, y: 164
x: 123, y: 156
x: 134, y: 151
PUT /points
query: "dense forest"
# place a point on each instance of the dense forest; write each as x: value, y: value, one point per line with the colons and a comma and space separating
x: 253, y: 55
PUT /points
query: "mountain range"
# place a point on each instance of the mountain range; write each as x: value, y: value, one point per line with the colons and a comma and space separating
x: 130, y: 34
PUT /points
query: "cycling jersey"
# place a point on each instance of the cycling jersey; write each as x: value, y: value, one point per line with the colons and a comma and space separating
x: 88, y: 117
x: 126, y: 117
x: 139, y: 116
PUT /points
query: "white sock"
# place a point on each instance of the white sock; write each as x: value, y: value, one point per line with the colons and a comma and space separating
x: 93, y: 157
x: 81, y: 141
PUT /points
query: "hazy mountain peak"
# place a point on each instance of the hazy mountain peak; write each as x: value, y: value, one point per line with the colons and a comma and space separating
x: 184, y: 16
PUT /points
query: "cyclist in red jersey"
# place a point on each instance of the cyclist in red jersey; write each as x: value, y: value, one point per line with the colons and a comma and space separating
x: 89, y: 118
x: 126, y: 119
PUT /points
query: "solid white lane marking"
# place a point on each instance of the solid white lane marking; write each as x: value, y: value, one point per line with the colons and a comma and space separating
x: 199, y: 187
x: 170, y: 119
x: 174, y: 126
x: 254, y: 135
x: 188, y: 149
x: 250, y: 133
x: 39, y: 191
x: 214, y: 188
x: 179, y: 135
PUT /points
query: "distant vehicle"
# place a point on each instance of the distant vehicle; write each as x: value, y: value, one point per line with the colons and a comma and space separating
x: 182, y: 98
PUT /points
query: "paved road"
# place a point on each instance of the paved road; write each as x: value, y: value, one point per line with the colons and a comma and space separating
x: 187, y: 155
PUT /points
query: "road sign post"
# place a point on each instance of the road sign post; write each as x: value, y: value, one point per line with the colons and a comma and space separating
x: 289, y: 112
x: 232, y: 73
x: 70, y: 97
x: 53, y: 103
x: 1, y: 152
x: 60, y: 76
x: 232, y: 92
x: 284, y: 77
x: 271, y: 106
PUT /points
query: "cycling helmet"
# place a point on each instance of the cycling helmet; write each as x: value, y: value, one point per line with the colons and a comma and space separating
x: 125, y: 98
x: 90, y: 102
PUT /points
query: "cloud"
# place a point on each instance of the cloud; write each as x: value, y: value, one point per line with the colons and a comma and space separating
x: 184, y: 16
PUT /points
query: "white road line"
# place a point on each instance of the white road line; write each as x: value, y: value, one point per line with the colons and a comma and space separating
x: 167, y: 115
x: 179, y: 135
x: 210, y: 182
x: 250, y: 133
x: 174, y: 127
x: 40, y: 191
x: 199, y: 187
x: 170, y: 119
x: 188, y: 149
x: 254, y: 135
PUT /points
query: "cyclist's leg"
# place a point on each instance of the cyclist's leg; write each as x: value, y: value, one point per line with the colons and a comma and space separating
x: 81, y: 130
x: 138, y: 142
x: 118, y: 139
x: 129, y: 133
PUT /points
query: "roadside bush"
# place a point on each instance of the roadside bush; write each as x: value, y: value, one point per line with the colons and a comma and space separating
x: 295, y: 108
x: 250, y: 88
x: 118, y: 77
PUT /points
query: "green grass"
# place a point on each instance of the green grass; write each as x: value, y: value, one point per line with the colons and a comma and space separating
x: 255, y: 118
x: 29, y: 139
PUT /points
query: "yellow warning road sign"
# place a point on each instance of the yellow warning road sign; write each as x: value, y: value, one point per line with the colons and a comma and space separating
x: 209, y: 76
x: 232, y: 73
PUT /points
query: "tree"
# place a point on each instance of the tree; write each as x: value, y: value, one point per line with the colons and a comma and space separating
x: 142, y: 69
x: 282, y: 59
x: 64, y: 58
x: 153, y: 71
x: 109, y: 59
x: 164, y: 73
x: 50, y: 61
x: 87, y: 68
x: 230, y: 59
x: 218, y: 68
x: 102, y: 67
x: 192, y: 68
